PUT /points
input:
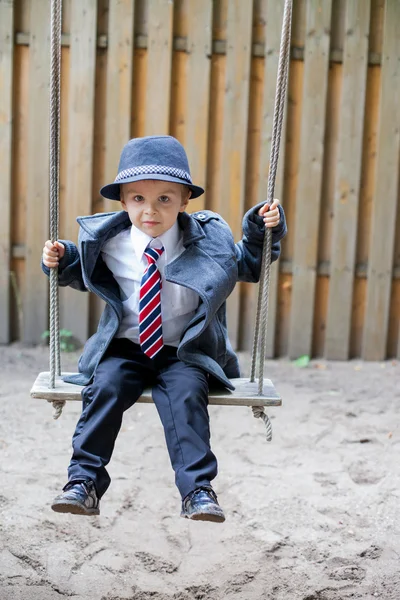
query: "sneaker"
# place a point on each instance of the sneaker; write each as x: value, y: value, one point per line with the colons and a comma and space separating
x: 78, y: 498
x: 202, y: 505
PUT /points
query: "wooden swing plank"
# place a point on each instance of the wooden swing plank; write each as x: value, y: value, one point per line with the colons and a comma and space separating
x: 245, y: 393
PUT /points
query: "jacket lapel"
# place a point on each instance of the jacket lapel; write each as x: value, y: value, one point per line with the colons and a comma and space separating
x: 96, y: 230
x: 197, y: 270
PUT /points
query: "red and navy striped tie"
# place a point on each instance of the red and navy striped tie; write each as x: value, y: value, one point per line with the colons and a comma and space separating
x: 150, y: 324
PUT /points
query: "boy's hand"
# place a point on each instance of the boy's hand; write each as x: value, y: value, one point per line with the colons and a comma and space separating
x: 52, y: 253
x: 271, y: 214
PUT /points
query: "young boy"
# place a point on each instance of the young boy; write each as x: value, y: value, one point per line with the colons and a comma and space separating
x: 165, y: 276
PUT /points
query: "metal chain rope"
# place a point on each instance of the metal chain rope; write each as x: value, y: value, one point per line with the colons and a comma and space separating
x: 55, y: 94
x: 260, y: 330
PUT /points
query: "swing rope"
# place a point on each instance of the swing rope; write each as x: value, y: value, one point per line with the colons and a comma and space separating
x: 259, y: 341
x: 260, y: 329
x: 55, y: 93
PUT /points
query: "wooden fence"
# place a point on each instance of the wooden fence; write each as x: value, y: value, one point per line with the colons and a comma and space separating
x: 204, y: 71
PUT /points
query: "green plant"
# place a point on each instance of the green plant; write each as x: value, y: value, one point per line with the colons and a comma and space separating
x: 67, y: 343
x: 302, y: 361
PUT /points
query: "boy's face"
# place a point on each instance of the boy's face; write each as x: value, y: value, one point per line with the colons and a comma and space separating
x: 153, y: 206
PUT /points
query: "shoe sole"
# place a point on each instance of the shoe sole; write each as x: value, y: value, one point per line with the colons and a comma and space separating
x: 74, y: 509
x: 213, y: 518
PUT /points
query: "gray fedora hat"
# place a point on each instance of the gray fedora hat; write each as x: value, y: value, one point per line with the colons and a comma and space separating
x: 159, y: 157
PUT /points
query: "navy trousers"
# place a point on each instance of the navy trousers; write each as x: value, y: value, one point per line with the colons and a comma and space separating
x: 180, y: 393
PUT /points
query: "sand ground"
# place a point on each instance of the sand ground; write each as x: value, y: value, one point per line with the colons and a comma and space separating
x: 312, y: 516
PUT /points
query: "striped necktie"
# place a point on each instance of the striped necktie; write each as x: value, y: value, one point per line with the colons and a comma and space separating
x: 150, y: 324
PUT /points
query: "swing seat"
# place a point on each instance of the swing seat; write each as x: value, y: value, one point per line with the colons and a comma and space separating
x: 245, y: 393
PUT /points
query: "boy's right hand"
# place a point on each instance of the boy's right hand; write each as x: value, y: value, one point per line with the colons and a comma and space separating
x: 52, y: 253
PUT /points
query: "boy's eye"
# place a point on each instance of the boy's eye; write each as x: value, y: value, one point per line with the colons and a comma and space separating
x: 138, y: 198
x: 163, y: 199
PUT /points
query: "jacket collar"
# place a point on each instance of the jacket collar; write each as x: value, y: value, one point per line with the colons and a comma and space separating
x: 169, y: 241
x: 192, y: 230
x: 106, y: 225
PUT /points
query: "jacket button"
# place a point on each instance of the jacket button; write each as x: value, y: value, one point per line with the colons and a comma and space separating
x: 201, y: 216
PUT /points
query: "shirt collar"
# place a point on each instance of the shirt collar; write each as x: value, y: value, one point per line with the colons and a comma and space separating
x: 168, y: 240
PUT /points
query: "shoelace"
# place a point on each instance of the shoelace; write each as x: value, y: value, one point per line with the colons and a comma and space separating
x: 207, y: 490
x: 71, y: 484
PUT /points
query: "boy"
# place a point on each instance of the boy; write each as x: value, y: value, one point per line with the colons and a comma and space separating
x: 165, y: 276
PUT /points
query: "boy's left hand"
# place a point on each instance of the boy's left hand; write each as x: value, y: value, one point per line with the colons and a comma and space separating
x: 270, y: 214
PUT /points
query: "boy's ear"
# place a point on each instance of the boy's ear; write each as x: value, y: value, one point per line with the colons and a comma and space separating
x: 121, y: 196
x: 185, y: 200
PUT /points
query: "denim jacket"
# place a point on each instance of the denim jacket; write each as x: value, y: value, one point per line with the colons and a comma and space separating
x: 211, y: 264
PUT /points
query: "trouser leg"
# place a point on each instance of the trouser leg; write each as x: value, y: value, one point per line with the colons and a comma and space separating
x: 118, y: 382
x: 181, y: 398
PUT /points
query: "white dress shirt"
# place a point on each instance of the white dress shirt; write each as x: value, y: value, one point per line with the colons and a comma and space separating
x: 124, y: 256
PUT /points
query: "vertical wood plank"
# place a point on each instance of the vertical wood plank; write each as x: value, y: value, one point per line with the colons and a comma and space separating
x: 215, y: 130
x: 348, y: 176
x: 74, y: 306
x: 234, y: 138
x: 19, y: 177
x: 35, y: 303
x: 398, y: 344
x: 273, y: 32
x: 96, y: 305
x: 386, y: 193
x: 198, y: 92
x: 292, y: 161
x: 119, y: 87
x: 6, y: 115
x: 368, y: 183
x: 159, y: 60
x: 316, y: 59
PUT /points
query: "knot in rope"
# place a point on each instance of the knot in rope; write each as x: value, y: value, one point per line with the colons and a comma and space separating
x: 259, y: 413
x: 58, y: 406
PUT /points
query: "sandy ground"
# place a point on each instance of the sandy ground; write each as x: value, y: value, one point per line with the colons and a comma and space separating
x: 312, y: 516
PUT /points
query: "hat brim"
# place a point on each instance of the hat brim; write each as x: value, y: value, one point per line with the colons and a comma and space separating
x: 112, y: 190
